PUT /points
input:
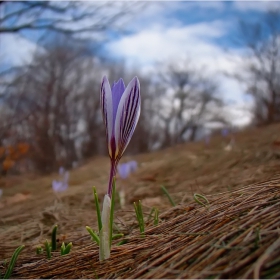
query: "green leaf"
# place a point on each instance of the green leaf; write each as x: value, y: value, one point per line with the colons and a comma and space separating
x: 139, y: 216
x: 62, y: 249
x: 151, y: 213
x: 93, y: 234
x: 67, y: 248
x: 48, y: 249
x: 97, y: 209
x: 168, y: 196
x: 13, y: 261
x: 112, y: 210
x: 196, y: 196
x: 116, y: 236
x: 122, y: 242
x: 39, y: 250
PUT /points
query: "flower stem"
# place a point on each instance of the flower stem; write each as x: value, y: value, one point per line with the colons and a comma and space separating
x: 112, y: 174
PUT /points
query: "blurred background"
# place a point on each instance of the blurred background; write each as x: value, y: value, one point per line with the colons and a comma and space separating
x: 202, y: 66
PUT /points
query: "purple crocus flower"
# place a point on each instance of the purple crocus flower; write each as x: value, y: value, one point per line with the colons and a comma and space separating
x: 121, y: 110
x: 133, y: 165
x: 61, y: 186
x: 61, y: 170
x: 124, y: 170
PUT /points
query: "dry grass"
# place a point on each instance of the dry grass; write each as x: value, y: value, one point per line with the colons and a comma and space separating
x: 237, y: 236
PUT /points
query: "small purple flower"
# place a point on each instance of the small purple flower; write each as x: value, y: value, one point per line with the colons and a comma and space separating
x: 61, y: 186
x: 121, y: 110
x: 124, y: 170
x: 61, y: 170
x: 224, y: 132
x: 133, y: 165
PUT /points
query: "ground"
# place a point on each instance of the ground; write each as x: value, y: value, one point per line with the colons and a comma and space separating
x: 235, y: 235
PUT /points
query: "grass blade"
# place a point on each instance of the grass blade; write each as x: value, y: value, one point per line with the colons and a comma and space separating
x: 48, y: 249
x: 62, y: 249
x: 168, y: 196
x: 97, y: 209
x: 93, y: 234
x: 119, y: 235
x: 112, y: 210
x: 139, y: 216
x: 151, y: 213
x: 196, y: 196
x: 13, y: 261
x: 156, y: 217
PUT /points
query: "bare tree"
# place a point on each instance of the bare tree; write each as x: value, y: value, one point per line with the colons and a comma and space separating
x: 51, y: 91
x: 262, y: 65
x: 68, y: 17
x: 193, y: 102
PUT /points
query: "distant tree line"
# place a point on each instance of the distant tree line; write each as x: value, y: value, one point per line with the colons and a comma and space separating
x: 50, y: 109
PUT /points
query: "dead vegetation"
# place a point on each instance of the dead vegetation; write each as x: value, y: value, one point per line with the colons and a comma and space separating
x: 236, y: 236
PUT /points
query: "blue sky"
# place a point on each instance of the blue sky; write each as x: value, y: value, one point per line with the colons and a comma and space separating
x: 172, y: 31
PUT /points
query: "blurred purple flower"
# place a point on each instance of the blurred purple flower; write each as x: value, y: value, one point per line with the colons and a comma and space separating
x: 224, y: 132
x: 61, y: 170
x: 61, y: 186
x: 133, y: 165
x: 121, y: 110
x: 124, y: 170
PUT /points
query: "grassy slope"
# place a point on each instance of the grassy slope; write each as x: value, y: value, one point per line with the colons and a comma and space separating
x: 184, y: 170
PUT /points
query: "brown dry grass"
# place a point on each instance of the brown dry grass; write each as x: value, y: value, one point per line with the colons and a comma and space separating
x: 237, y: 236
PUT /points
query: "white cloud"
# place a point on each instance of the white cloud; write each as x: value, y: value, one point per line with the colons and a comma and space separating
x: 256, y: 5
x: 16, y: 50
x: 174, y: 44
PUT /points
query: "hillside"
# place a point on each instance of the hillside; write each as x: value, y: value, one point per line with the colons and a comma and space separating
x: 235, y: 236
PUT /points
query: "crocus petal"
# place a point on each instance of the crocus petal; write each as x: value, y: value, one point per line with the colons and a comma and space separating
x: 118, y: 89
x: 107, y: 110
x: 127, y: 116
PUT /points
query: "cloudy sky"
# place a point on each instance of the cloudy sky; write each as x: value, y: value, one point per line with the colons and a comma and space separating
x: 170, y: 31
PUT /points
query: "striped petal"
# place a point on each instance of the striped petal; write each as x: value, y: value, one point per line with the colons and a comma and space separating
x: 107, y: 110
x: 127, y: 116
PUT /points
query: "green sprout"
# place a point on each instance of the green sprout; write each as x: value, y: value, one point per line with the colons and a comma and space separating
x: 196, y: 196
x: 48, y: 248
x: 156, y: 217
x: 64, y: 250
x: 12, y: 262
x: 39, y: 250
x: 93, y: 235
x: 96, y: 237
x: 97, y: 209
x: 139, y: 216
x: 168, y: 196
